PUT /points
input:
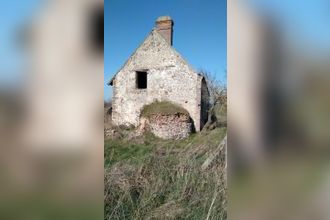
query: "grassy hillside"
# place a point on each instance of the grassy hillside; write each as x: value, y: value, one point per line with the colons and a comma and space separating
x: 150, y: 178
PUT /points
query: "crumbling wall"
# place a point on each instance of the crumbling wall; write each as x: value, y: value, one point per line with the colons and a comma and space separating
x: 174, y: 126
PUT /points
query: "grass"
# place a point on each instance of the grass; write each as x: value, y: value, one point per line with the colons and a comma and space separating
x: 163, y: 107
x: 150, y: 178
x: 118, y: 150
x: 221, y: 113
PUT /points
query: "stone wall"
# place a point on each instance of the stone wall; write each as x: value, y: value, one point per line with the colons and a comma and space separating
x: 169, y: 78
x: 175, y: 126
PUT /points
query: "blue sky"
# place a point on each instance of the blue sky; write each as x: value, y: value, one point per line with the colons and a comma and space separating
x: 200, y: 31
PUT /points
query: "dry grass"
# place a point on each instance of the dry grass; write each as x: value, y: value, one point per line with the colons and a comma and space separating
x: 166, y: 181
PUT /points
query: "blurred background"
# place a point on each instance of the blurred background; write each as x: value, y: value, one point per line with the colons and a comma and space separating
x: 278, y: 109
x: 51, y: 109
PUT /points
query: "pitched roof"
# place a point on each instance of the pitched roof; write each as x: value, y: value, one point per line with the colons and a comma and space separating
x: 160, y: 37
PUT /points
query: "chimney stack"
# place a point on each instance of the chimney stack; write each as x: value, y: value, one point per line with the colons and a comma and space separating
x: 164, y: 26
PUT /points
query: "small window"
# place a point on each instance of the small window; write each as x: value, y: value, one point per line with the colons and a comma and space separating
x: 141, y: 80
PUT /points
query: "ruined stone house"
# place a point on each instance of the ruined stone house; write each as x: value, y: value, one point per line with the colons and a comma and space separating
x: 157, y: 72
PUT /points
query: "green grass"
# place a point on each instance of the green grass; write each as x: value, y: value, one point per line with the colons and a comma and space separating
x: 221, y: 113
x: 163, y: 107
x: 38, y: 205
x: 120, y: 151
x: 151, y: 178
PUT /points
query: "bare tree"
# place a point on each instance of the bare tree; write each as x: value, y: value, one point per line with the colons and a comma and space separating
x: 218, y: 97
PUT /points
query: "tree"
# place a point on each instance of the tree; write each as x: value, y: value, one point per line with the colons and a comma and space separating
x: 218, y: 99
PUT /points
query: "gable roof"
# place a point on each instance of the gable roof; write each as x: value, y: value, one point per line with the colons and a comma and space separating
x: 158, y: 37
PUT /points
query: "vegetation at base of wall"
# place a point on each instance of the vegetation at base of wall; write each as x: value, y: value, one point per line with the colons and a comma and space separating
x: 163, y: 107
x: 151, y: 178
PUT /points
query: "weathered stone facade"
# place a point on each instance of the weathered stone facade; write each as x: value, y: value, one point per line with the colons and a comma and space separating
x: 168, y: 78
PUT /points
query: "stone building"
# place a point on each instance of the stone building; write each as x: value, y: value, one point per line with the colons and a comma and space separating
x: 157, y: 72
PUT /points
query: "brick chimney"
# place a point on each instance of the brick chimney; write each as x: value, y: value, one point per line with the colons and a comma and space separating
x: 164, y: 26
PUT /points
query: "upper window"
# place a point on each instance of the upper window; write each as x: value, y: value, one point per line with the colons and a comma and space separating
x: 141, y: 79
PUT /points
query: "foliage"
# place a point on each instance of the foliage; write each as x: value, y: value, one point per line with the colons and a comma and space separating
x: 217, y: 115
x: 217, y: 88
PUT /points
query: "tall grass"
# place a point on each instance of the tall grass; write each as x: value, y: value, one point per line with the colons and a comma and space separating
x: 164, y: 179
